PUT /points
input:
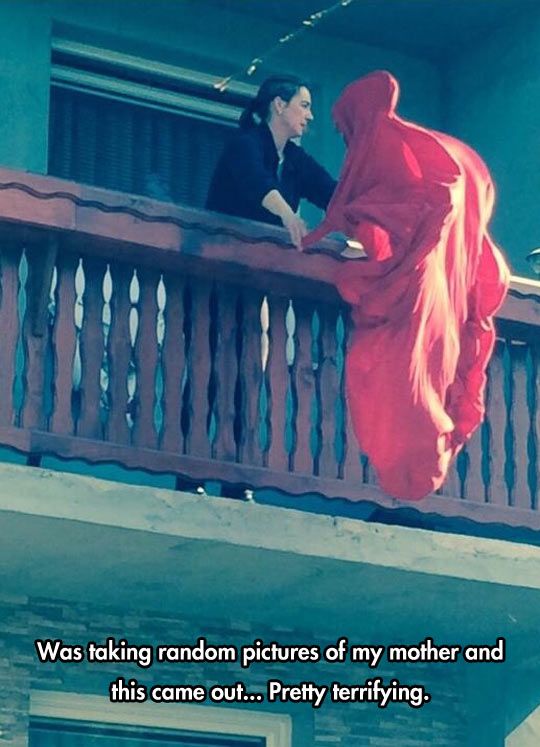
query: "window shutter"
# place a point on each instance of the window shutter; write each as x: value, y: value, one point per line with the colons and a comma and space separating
x: 132, y: 148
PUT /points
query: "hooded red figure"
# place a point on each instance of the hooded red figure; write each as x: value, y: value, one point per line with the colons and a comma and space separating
x: 422, y: 303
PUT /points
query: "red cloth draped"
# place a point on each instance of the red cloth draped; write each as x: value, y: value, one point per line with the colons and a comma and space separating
x: 422, y: 303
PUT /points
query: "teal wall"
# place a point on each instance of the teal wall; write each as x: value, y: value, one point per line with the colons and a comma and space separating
x: 494, y: 104
x: 188, y: 33
x: 24, y: 86
x: 220, y: 42
x: 487, y: 97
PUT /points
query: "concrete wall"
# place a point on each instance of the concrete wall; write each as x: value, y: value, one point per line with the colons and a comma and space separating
x: 216, y: 41
x: 189, y: 33
x: 440, y: 724
x: 100, y: 559
x: 487, y: 97
x: 493, y: 96
x: 24, y: 86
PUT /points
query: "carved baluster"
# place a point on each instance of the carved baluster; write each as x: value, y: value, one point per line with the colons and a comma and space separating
x: 497, y: 417
x: 146, y: 359
x: 225, y: 446
x: 278, y: 456
x: 200, y: 369
x: 91, y: 343
x: 303, y: 383
x: 120, y: 355
x: 64, y: 344
x: 41, y: 259
x: 173, y: 364
x: 520, y: 420
x: 353, y: 471
x: 253, y: 365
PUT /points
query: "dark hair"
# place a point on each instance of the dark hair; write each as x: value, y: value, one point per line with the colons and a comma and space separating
x: 284, y: 86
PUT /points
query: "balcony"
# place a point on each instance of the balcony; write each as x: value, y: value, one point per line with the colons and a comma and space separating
x: 175, y: 341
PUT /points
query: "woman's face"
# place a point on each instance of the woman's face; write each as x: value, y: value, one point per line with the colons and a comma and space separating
x: 296, y: 113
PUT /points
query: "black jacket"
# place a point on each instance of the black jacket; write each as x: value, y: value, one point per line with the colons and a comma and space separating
x: 248, y: 170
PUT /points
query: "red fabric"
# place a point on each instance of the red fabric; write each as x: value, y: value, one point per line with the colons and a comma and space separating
x: 422, y: 304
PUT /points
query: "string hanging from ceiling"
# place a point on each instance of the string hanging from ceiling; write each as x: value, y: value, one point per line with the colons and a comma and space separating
x: 308, y: 23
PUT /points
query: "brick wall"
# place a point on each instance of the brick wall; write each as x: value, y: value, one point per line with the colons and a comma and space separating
x: 440, y: 723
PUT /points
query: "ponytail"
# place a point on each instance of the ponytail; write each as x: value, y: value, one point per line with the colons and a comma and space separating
x: 247, y: 120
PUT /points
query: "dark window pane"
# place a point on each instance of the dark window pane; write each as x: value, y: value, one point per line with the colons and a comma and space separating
x: 62, y: 733
x: 132, y: 148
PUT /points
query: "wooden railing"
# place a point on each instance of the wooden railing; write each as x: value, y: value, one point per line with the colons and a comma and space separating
x: 171, y: 340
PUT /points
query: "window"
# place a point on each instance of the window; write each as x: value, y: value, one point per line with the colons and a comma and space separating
x: 137, y: 126
x: 60, y: 719
x: 63, y: 733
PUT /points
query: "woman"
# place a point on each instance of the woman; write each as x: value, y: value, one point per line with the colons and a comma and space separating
x: 262, y: 175
x: 422, y: 304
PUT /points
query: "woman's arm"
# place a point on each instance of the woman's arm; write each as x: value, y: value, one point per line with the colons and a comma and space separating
x: 276, y: 204
x: 259, y: 187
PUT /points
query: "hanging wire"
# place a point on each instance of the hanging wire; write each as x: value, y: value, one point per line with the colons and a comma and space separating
x: 308, y: 23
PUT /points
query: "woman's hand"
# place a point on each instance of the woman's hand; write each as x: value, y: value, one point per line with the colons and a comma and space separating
x: 277, y: 205
x: 296, y: 227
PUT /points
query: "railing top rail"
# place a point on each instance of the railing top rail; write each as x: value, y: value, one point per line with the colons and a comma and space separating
x: 141, y: 230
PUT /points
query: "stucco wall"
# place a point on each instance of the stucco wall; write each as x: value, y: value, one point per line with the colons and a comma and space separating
x: 487, y: 96
x: 188, y: 33
x: 24, y: 86
x: 492, y: 98
x: 195, y: 34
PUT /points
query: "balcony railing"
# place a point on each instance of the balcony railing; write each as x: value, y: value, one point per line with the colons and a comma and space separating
x: 174, y: 341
